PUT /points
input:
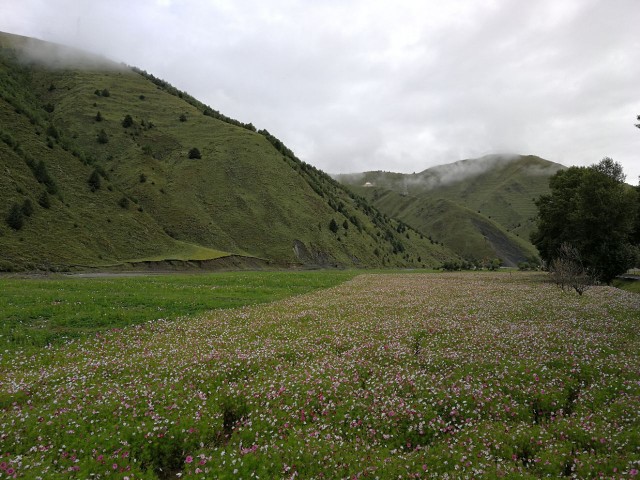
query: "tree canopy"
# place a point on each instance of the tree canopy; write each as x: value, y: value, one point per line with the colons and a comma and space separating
x: 592, y: 209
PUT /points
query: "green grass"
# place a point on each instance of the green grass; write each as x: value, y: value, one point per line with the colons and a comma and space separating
x: 628, y: 285
x: 36, y: 312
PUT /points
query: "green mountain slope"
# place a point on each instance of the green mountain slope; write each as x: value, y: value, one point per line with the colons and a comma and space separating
x: 96, y: 159
x: 480, y: 208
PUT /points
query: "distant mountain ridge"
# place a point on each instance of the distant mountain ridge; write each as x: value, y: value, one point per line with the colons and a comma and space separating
x: 105, y: 165
x: 477, y: 207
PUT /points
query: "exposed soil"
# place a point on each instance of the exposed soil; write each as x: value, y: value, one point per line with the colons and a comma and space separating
x: 510, y: 253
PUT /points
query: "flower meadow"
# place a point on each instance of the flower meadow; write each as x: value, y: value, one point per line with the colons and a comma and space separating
x: 456, y: 375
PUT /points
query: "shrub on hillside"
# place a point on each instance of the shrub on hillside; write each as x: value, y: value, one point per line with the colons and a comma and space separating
x: 195, y: 153
x: 41, y: 174
x: 127, y: 121
x: 27, y: 207
x: 102, y: 137
x: 15, y: 217
x: 44, y: 201
x: 94, y: 181
x: 53, y: 132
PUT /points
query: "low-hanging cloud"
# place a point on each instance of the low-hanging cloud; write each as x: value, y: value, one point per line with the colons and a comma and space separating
x: 57, y: 56
x: 365, y: 84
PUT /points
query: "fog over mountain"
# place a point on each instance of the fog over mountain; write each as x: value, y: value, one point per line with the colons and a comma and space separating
x: 367, y: 85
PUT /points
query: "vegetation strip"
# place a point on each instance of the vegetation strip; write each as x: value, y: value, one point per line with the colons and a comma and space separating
x: 37, y: 312
x: 466, y: 375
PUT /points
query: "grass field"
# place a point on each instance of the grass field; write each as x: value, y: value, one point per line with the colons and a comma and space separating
x: 474, y: 375
x: 629, y: 285
x: 37, y: 312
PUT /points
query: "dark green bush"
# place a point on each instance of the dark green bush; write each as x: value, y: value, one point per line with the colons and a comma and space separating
x: 102, y: 137
x: 127, y: 121
x: 44, y: 201
x: 94, y: 181
x: 27, y: 207
x: 15, y: 217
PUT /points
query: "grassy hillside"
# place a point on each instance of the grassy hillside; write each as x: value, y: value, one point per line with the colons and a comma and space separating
x: 479, y: 208
x: 97, y: 158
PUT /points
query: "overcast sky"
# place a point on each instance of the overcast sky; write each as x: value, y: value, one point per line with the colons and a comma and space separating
x: 354, y: 85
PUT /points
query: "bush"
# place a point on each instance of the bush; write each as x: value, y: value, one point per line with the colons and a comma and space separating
x: 194, y: 153
x: 44, y: 201
x: 127, y: 121
x: 98, y: 116
x: 94, y: 181
x: 333, y: 226
x: 53, y: 132
x: 124, y: 202
x: 41, y: 174
x: 105, y: 93
x: 568, y: 271
x: 102, y: 137
x: 27, y: 207
x: 183, y: 118
x: 15, y: 217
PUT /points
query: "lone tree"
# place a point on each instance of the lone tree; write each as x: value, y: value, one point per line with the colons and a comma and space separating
x: 593, y: 210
